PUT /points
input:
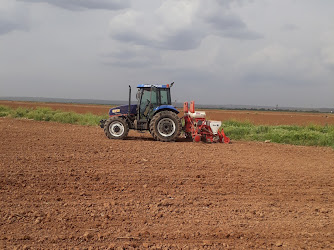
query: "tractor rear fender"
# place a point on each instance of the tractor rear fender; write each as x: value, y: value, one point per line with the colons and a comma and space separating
x: 164, y: 108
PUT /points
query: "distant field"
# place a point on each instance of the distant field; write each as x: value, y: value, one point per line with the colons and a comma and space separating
x: 255, y: 117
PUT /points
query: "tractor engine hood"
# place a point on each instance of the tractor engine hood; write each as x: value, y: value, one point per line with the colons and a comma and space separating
x: 123, y: 110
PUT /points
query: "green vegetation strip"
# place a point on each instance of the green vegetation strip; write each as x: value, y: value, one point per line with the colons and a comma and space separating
x: 48, y: 114
x: 312, y: 135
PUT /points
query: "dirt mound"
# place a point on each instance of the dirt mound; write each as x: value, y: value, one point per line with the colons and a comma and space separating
x: 67, y: 186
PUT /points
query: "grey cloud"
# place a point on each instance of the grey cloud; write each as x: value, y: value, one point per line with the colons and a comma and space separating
x: 242, y: 34
x: 225, y: 23
x: 76, y: 5
x: 196, y: 78
x: 328, y: 65
x: 154, y: 31
x: 182, y: 40
x: 132, y: 63
x: 222, y: 22
x: 260, y: 79
x: 289, y: 27
x: 134, y: 58
x: 11, y: 20
x: 7, y: 26
x: 130, y: 37
x: 232, y: 26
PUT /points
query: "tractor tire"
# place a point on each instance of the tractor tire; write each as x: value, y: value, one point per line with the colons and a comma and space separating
x: 153, y: 135
x: 165, y: 126
x: 116, y: 128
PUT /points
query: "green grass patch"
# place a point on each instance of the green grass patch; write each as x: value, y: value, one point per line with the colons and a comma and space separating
x: 4, y: 111
x: 312, y: 135
x: 48, y: 114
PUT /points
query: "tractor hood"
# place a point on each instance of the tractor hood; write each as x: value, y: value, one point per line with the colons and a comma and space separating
x: 123, y: 110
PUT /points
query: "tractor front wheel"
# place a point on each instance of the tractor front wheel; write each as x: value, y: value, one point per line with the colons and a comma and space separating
x: 116, y: 128
x: 165, y: 126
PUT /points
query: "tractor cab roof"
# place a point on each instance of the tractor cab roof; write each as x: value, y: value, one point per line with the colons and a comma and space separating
x: 159, y: 86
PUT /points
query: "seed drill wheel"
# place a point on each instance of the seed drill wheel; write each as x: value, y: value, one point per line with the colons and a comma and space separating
x: 165, y: 126
x: 116, y: 128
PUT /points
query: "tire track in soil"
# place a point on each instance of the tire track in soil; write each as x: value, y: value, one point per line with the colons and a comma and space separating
x: 69, y: 186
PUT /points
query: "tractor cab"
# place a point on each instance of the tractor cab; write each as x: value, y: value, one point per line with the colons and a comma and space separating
x: 152, y: 98
x: 154, y: 112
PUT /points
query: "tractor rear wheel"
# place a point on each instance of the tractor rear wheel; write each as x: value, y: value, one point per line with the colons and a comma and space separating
x: 165, y: 126
x: 116, y: 128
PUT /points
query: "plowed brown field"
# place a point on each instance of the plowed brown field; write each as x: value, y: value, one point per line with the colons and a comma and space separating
x: 68, y: 186
x: 256, y: 117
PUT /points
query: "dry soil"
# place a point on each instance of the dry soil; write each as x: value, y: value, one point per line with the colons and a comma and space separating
x: 68, y: 186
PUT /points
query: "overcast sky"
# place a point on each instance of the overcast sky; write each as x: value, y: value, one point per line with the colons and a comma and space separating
x: 260, y: 52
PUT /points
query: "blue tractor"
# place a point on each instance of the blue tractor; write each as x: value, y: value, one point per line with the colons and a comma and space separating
x: 153, y: 112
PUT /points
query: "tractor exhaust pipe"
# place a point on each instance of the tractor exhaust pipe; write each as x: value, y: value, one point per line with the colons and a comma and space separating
x: 129, y: 109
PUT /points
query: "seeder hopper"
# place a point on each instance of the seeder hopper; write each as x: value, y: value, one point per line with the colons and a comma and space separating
x: 199, y: 129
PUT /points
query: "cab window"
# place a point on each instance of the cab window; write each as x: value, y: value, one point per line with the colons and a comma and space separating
x: 148, y: 96
x: 164, y: 97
